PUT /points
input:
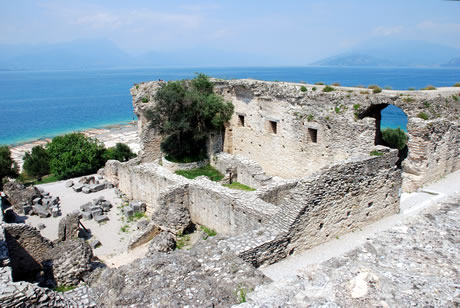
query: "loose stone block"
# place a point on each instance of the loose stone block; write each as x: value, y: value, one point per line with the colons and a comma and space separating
x: 27, y: 208
x: 101, y: 218
x: 86, y: 207
x: 69, y: 184
x: 77, y: 187
x: 37, y: 201
x: 55, y: 212
x: 106, y: 206
x: 86, y: 189
x: 128, y: 211
x: 96, y: 211
x: 41, y: 226
x: 97, y: 187
x: 40, y: 211
x: 86, y: 215
x: 109, y: 185
x: 94, y: 243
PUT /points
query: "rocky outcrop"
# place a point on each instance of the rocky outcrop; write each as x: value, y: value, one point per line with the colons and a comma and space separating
x: 163, y: 242
x: 69, y: 227
x: 201, y: 277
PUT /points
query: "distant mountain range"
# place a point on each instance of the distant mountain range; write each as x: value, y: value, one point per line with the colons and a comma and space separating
x: 386, y: 52
x: 84, y: 54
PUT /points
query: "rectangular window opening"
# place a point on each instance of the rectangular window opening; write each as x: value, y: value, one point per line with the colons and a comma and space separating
x: 313, y: 135
x: 272, y: 127
x: 241, y: 120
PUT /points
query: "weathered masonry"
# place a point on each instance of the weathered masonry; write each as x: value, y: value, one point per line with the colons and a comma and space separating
x: 307, y: 153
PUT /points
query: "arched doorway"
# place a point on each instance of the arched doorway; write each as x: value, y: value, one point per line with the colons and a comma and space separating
x: 390, y: 127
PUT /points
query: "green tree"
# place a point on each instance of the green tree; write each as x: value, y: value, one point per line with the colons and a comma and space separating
x: 37, y: 162
x: 75, y: 154
x: 8, y: 168
x: 120, y: 152
x: 185, y: 113
x: 395, y: 138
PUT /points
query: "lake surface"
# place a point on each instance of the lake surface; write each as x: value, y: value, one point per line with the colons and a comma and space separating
x: 38, y: 104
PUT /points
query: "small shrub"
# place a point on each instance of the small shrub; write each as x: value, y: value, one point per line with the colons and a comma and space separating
x: 429, y: 87
x: 310, y: 118
x: 136, y: 217
x: 313, y: 89
x: 328, y: 89
x: 422, y: 115
x: 375, y: 153
x: 457, y: 84
x: 145, y: 99
x: 395, y: 138
x: 241, y: 293
x: 336, y: 84
x: 363, y: 92
x: 37, y: 162
x: 239, y: 186
x: 411, y: 89
x: 303, y: 89
x: 137, y: 86
x: 209, y: 232
x: 8, y: 168
x: 375, y: 89
x: 388, y: 88
x: 455, y: 97
x: 426, y: 104
x: 337, y: 109
x: 356, y: 106
x: 124, y: 228
x: 182, y: 240
x: 210, y: 172
x: 64, y: 288
x: 319, y: 83
x: 408, y: 99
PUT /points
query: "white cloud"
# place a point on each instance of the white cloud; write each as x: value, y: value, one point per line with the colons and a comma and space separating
x: 388, y: 31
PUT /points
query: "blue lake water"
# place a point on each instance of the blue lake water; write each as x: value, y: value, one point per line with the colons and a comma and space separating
x: 38, y: 104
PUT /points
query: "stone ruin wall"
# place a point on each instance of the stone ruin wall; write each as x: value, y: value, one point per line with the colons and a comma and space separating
x: 227, y: 211
x: 314, y: 210
x: 340, y: 129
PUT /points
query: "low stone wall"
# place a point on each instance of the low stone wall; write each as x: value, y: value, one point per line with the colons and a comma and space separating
x: 246, y: 171
x: 229, y: 212
x: 172, y: 166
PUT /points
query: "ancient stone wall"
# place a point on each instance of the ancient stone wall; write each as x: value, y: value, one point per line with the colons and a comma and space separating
x: 27, y: 250
x: 341, y: 199
x: 292, y: 134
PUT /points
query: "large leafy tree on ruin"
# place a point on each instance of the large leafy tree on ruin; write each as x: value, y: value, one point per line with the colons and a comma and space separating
x: 185, y: 113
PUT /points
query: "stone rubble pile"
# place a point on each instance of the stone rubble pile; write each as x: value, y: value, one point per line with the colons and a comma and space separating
x: 133, y: 208
x: 89, y: 184
x: 96, y: 210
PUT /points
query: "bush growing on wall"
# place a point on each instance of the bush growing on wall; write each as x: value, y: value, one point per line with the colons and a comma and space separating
x: 395, y: 138
x: 75, y: 154
x: 185, y: 113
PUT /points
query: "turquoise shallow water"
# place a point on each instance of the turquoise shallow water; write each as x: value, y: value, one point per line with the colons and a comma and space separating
x: 38, y: 104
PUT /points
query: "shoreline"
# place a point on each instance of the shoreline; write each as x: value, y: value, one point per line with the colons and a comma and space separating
x: 109, y: 135
x: 83, y: 130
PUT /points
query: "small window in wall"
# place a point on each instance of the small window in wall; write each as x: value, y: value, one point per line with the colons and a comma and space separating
x: 272, y: 127
x: 313, y: 135
x: 241, y: 120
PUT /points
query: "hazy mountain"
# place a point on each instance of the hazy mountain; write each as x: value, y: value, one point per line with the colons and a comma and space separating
x: 388, y: 52
x: 455, y: 62
x: 77, y: 54
x: 103, y: 54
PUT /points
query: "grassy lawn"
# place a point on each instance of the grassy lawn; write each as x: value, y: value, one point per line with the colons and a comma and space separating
x: 47, y: 179
x: 236, y: 185
x: 208, y: 171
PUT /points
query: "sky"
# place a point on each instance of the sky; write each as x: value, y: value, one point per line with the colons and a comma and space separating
x: 302, y: 31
